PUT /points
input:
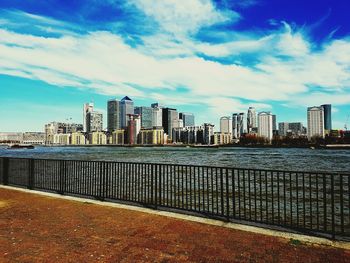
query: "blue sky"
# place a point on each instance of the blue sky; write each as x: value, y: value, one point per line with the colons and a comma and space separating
x: 212, y: 58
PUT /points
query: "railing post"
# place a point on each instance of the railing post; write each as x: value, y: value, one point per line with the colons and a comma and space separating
x: 155, y: 185
x: 31, y: 174
x: 5, y: 170
x: 62, y: 177
x: 101, y: 194
x: 227, y: 197
x: 333, y: 208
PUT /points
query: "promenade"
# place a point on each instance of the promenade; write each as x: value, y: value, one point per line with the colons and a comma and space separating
x: 37, y: 228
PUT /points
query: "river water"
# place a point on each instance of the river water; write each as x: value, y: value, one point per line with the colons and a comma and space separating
x: 258, y: 158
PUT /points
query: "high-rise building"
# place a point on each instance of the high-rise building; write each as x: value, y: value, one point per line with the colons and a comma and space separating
x: 274, y: 122
x: 239, y: 125
x: 251, y: 120
x: 188, y: 118
x: 146, y: 114
x: 113, y: 115
x: 157, y: 115
x: 126, y: 108
x: 87, y: 107
x: 327, y: 110
x: 208, y: 133
x: 170, y: 120
x: 296, y: 128
x: 265, y: 125
x: 133, y: 129
x: 94, y: 121
x: 226, y: 125
x: 283, y: 128
x: 315, y: 122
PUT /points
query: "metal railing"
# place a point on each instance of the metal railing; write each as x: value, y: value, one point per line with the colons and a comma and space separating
x: 310, y: 202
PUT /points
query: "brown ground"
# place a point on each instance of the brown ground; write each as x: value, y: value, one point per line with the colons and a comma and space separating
x: 34, y: 228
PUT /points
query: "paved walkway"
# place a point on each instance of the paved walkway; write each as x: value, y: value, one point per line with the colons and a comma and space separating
x: 35, y: 228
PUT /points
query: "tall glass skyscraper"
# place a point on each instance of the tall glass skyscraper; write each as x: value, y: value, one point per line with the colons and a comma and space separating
x: 113, y: 115
x: 146, y: 114
x: 188, y: 119
x: 327, y: 110
x: 126, y: 108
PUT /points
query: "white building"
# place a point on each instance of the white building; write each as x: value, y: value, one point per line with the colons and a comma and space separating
x: 157, y: 114
x: 87, y: 107
x: 239, y: 124
x: 265, y: 125
x: 315, y: 122
x: 251, y: 120
x: 226, y: 124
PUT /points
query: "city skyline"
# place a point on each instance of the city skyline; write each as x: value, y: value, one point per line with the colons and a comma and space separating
x: 223, y: 59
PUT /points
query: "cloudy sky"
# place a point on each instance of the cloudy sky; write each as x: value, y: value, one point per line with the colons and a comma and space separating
x: 209, y: 57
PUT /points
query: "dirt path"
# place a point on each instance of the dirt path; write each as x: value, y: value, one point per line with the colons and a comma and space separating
x: 34, y: 228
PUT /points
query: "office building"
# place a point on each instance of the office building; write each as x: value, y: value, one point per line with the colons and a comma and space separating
x: 208, y: 130
x: 226, y: 124
x: 283, y: 128
x: 170, y: 120
x: 274, y: 122
x: 146, y: 114
x: 97, y: 138
x: 154, y: 136
x: 126, y: 108
x: 327, y: 112
x: 265, y: 125
x: 94, y: 122
x: 157, y: 115
x: 315, y: 122
x: 113, y: 115
x: 239, y: 125
x: 251, y: 120
x: 87, y: 107
x: 187, y: 118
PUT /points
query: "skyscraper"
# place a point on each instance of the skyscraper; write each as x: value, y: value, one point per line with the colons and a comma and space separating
x: 170, y: 120
x: 126, y: 108
x: 251, y: 120
x: 208, y: 133
x: 157, y: 115
x: 315, y: 122
x: 146, y: 114
x: 239, y: 124
x: 265, y: 125
x: 113, y: 115
x: 226, y: 124
x: 327, y: 109
x: 188, y: 119
x: 94, y: 121
x: 133, y: 128
x: 87, y: 107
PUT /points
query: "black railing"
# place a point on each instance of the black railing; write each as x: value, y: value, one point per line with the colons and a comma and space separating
x: 310, y: 202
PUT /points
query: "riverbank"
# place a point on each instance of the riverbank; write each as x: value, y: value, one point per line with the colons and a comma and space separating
x: 36, y: 228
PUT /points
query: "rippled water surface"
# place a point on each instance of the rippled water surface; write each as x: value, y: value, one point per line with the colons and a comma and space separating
x: 263, y: 158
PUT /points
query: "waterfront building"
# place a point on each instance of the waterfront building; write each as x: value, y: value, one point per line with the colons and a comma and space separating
x: 170, y: 120
x: 226, y: 124
x: 274, y: 123
x: 296, y: 129
x: 157, y: 115
x: 283, y: 128
x: 327, y: 113
x: 126, y: 108
x: 222, y: 138
x: 11, y: 137
x: 94, y: 121
x: 87, y: 107
x: 113, y: 115
x: 208, y: 133
x: 97, y: 138
x: 117, y: 137
x: 34, y: 138
x: 78, y: 138
x: 154, y: 136
x: 315, y: 122
x: 187, y: 118
x: 146, y: 115
x: 133, y: 129
x: 252, y: 124
x: 239, y: 125
x: 265, y: 125
x: 62, y: 139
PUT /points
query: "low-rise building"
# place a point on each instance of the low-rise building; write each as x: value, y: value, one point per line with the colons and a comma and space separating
x: 78, y: 138
x: 117, y: 137
x: 222, y: 138
x: 153, y: 136
x: 97, y: 138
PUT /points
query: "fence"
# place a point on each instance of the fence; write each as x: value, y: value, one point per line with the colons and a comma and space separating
x: 314, y: 203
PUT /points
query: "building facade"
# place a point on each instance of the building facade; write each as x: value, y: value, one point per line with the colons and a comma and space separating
x: 157, y: 115
x: 315, y: 122
x: 226, y: 124
x: 222, y: 138
x: 265, y: 125
x: 94, y: 121
x: 97, y: 138
x: 327, y: 112
x: 113, y: 115
x: 146, y: 114
x: 170, y: 120
x: 252, y: 123
x: 126, y: 108
x: 87, y: 107
x: 187, y: 118
x: 151, y: 136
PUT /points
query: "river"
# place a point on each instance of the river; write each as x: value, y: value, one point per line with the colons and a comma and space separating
x: 258, y: 158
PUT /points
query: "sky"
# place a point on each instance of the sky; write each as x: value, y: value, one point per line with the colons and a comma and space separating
x: 212, y: 58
